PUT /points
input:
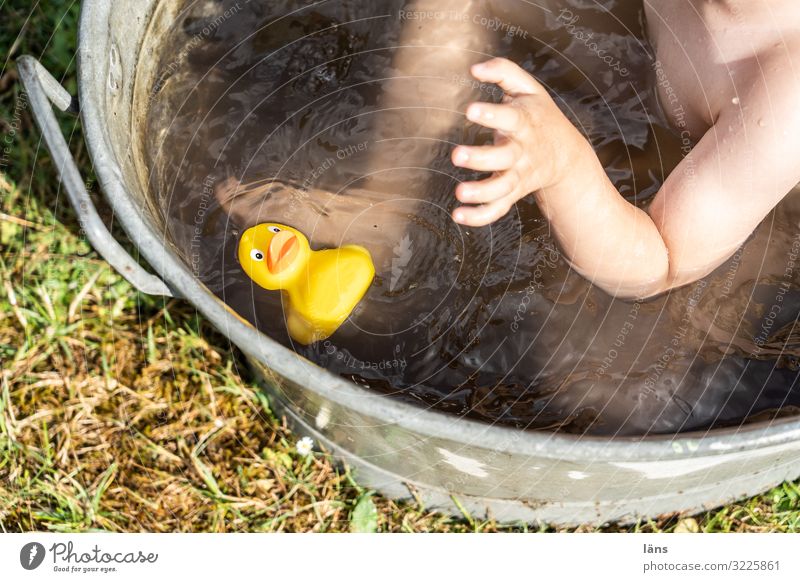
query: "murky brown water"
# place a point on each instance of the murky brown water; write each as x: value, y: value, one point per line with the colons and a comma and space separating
x: 272, y: 112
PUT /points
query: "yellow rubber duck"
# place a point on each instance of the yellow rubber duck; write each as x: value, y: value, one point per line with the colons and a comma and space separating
x: 321, y: 287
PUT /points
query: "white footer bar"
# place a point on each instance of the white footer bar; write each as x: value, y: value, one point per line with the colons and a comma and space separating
x: 332, y: 557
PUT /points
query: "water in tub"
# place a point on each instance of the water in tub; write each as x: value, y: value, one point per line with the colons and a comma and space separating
x: 338, y: 117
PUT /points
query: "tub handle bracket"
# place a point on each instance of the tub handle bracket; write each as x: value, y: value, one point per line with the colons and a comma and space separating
x: 44, y: 92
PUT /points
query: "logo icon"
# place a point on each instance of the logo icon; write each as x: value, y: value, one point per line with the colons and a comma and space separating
x: 402, y: 256
x: 31, y: 555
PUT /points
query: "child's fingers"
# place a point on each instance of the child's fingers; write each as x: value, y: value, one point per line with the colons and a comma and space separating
x: 487, y: 190
x: 512, y: 78
x: 483, y: 214
x: 493, y: 158
x: 505, y: 118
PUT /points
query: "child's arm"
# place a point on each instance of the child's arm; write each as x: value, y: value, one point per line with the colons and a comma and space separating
x: 743, y: 166
x: 425, y: 89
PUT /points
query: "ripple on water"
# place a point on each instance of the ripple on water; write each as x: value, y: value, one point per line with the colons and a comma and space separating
x: 273, y: 116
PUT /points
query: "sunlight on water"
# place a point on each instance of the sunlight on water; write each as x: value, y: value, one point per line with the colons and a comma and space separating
x: 273, y: 113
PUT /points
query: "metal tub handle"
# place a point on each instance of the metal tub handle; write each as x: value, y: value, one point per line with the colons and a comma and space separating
x: 44, y: 91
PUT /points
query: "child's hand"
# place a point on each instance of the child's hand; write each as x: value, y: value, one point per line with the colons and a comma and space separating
x: 535, y: 145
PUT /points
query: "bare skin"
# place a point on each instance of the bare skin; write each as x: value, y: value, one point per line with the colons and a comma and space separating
x: 420, y: 104
x: 731, y: 72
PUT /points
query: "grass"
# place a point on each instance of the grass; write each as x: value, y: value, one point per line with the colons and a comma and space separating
x: 123, y: 412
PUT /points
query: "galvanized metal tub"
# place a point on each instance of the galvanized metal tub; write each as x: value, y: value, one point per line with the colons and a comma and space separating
x: 509, y: 474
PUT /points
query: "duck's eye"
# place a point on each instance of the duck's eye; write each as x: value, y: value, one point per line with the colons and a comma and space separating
x: 256, y: 255
x: 274, y: 229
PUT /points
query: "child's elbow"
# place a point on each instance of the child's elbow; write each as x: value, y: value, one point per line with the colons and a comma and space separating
x: 636, y: 290
x: 637, y: 277
x: 664, y: 278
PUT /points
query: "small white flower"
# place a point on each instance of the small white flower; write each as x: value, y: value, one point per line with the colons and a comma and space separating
x: 304, y: 446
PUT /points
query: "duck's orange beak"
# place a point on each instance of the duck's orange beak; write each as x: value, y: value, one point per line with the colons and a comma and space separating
x: 282, y: 251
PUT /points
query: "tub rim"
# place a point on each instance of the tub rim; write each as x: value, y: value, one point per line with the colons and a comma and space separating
x: 430, y: 423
